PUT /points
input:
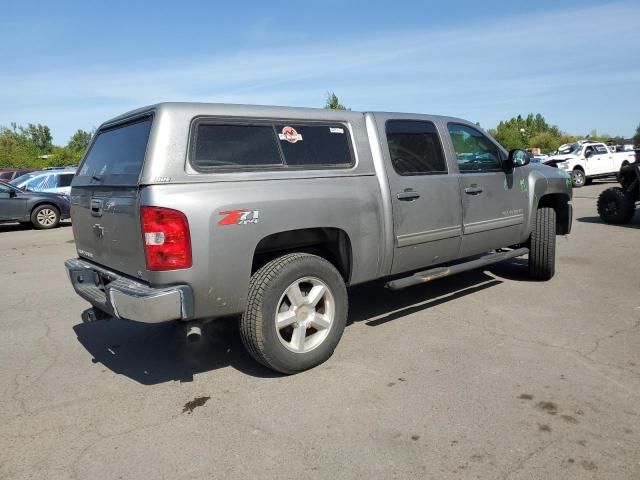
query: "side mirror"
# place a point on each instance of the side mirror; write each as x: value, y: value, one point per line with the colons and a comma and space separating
x: 518, y: 158
x: 12, y: 193
x: 588, y: 153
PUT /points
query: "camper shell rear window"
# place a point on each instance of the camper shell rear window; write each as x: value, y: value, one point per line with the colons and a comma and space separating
x: 274, y: 145
x: 116, y: 155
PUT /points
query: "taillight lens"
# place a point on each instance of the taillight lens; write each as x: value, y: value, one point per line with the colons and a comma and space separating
x: 167, y: 242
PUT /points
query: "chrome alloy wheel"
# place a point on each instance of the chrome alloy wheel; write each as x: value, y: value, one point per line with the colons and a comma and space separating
x: 578, y: 177
x: 46, y: 217
x: 305, y: 314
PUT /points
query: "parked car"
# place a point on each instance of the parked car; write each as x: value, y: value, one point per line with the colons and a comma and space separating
x: 586, y: 160
x: 8, y: 174
x: 53, y: 181
x: 193, y: 212
x: 539, y: 158
x: 42, y: 210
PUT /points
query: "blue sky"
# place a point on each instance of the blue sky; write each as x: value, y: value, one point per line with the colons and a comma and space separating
x: 73, y: 65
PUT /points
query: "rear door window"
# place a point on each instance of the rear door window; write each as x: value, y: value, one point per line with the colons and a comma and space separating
x: 414, y: 147
x: 64, y: 180
x: 116, y: 155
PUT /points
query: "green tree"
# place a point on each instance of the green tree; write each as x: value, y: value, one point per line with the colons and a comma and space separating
x: 38, y: 134
x: 79, y: 141
x: 16, y: 150
x: 63, y: 156
x: 333, y: 103
x: 521, y: 132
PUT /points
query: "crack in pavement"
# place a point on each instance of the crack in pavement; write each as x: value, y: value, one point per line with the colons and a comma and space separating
x: 615, y: 334
x: 528, y: 457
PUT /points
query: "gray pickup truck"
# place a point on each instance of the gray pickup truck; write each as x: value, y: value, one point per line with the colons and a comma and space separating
x: 193, y: 212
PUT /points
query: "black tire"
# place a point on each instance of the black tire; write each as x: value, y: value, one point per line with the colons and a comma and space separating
x: 267, y: 297
x: 615, y: 205
x: 44, y: 217
x: 542, y: 248
x: 578, y: 178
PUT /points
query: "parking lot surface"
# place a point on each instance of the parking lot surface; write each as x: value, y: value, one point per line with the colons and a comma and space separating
x: 483, y: 375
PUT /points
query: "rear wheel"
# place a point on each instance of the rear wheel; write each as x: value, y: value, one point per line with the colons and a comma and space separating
x: 45, y: 216
x: 578, y: 178
x: 615, y: 205
x: 296, y: 312
x: 542, y: 248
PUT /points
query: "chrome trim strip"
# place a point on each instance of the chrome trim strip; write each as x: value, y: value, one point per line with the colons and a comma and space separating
x: 484, y: 225
x: 428, y: 236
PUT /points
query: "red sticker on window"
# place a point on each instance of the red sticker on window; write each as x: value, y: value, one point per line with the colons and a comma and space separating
x: 290, y: 134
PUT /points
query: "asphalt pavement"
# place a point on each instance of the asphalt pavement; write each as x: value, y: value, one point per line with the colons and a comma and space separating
x: 485, y: 375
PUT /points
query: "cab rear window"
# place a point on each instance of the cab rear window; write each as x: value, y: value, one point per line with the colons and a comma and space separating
x: 116, y: 155
x: 217, y: 146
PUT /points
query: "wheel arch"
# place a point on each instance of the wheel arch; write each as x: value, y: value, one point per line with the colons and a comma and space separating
x: 560, y: 203
x: 332, y: 244
x: 41, y: 203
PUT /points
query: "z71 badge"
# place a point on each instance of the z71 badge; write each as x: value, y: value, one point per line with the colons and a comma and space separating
x: 239, y: 217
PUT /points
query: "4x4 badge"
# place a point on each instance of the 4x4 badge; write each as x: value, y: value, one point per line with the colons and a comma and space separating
x: 239, y: 217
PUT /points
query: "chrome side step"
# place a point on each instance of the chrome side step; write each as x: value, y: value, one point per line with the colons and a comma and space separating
x: 441, y: 272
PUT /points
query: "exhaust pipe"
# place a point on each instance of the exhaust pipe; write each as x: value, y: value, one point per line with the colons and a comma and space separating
x: 194, y: 332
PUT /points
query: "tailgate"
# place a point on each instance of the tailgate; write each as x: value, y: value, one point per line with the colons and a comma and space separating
x: 105, y: 210
x: 106, y: 227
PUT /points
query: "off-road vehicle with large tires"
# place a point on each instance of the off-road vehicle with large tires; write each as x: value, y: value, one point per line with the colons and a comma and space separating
x: 618, y: 204
x: 193, y: 212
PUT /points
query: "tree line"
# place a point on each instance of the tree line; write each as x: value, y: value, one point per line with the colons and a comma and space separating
x: 32, y: 146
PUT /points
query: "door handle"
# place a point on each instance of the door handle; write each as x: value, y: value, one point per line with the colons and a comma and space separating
x: 473, y: 190
x: 407, y: 196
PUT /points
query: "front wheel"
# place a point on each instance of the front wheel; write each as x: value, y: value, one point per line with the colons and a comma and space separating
x: 616, y: 206
x: 296, y: 312
x: 45, y: 216
x: 578, y: 178
x: 542, y: 248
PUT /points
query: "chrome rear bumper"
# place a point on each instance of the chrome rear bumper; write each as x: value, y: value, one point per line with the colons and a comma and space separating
x: 128, y: 299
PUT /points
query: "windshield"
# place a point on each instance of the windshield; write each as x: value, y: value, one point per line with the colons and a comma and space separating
x: 569, y: 149
x: 116, y: 155
x: 22, y: 179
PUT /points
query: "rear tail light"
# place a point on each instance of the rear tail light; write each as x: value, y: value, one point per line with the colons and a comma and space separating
x: 167, y: 242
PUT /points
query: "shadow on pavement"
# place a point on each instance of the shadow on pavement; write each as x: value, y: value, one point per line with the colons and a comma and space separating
x: 157, y: 353
x: 375, y: 305
x: 634, y: 223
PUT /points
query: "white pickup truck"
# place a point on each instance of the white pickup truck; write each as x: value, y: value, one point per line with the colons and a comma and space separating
x: 585, y: 160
